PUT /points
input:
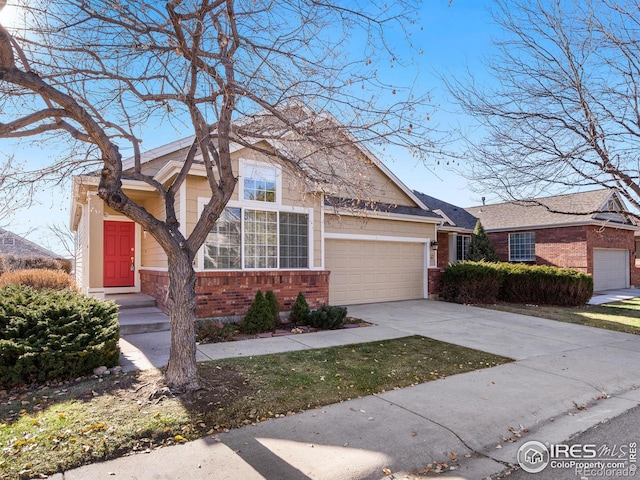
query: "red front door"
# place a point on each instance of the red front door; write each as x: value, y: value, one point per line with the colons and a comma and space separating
x: 119, y: 254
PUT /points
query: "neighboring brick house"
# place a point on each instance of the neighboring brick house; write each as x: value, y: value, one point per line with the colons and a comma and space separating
x: 584, y: 238
x: 12, y: 244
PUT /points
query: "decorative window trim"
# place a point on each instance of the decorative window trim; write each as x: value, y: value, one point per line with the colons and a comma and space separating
x: 8, y: 240
x: 243, y: 166
x: 531, y: 242
x: 269, y: 207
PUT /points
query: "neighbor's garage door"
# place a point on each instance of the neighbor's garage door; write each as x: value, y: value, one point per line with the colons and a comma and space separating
x: 610, y: 269
x: 373, y: 271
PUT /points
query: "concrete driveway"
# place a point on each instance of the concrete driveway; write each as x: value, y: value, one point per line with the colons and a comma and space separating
x: 565, y: 379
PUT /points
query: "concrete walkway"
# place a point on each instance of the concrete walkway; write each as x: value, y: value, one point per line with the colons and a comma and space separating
x: 558, y: 368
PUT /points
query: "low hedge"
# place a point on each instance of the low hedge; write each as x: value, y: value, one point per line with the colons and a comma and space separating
x: 481, y: 282
x: 471, y: 282
x: 54, y: 335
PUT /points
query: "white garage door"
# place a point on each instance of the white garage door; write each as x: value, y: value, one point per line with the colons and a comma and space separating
x: 610, y: 269
x: 373, y: 271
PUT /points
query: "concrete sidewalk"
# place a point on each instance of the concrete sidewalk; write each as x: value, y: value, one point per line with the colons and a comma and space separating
x: 558, y: 368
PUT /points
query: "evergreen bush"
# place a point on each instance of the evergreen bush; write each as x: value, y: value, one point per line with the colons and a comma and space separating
x: 300, y: 310
x: 483, y: 282
x: 259, y: 317
x: 481, y: 248
x: 54, y: 335
x: 274, y: 306
x: 471, y: 282
x: 328, y: 318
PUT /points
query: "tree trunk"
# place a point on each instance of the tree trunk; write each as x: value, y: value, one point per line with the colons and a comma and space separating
x: 181, y: 371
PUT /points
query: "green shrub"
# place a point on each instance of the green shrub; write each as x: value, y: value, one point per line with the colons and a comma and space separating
x: 480, y: 282
x: 545, y: 285
x: 211, y: 331
x: 471, y: 282
x: 16, y: 262
x: 259, y: 317
x: 300, y: 310
x: 54, y: 335
x: 39, y: 279
x: 328, y: 318
x: 274, y: 306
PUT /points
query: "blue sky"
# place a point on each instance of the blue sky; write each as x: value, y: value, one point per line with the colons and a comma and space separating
x: 454, y: 38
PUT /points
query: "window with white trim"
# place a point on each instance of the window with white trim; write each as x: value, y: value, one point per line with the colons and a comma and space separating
x: 8, y: 241
x: 257, y: 239
x: 224, y: 243
x: 522, y: 247
x: 462, y: 247
x: 294, y: 240
x: 260, y: 183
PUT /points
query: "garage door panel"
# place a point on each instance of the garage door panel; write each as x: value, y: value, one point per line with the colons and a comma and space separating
x: 610, y: 269
x: 373, y: 271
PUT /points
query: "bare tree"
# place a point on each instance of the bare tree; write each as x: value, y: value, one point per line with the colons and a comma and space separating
x: 95, y: 73
x: 560, y: 108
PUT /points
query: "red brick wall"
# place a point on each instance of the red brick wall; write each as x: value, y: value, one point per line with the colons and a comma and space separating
x: 223, y: 294
x: 433, y: 277
x: 572, y: 247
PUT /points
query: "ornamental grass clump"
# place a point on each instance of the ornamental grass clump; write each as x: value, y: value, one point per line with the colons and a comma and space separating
x: 39, y: 279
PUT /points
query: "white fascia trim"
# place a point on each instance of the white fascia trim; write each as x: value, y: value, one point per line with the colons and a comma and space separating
x: 165, y: 149
x: 126, y: 183
x: 173, y: 167
x: 443, y: 215
x: 385, y: 215
x: 182, y: 215
x: 374, y: 238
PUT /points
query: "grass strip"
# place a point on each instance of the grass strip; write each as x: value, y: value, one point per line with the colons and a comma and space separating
x: 622, y: 316
x: 55, y: 428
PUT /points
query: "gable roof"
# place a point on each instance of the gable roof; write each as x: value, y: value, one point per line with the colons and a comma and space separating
x: 186, y: 142
x: 581, y: 208
x: 12, y: 244
x: 454, y: 216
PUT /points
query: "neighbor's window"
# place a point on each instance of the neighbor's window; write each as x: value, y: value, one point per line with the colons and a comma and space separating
x: 249, y: 238
x: 8, y: 241
x: 462, y: 247
x: 522, y: 247
x: 260, y: 183
x: 223, y: 244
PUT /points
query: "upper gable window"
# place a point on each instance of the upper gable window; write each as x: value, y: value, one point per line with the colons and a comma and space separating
x: 8, y: 241
x: 260, y: 183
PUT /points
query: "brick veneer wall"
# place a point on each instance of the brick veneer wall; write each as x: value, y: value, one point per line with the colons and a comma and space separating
x: 572, y: 247
x: 225, y: 294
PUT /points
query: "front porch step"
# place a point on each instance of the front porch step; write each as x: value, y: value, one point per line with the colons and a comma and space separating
x: 138, y: 314
x: 143, y: 320
x: 131, y: 300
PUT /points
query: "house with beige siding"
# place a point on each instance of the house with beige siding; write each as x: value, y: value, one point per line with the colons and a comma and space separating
x: 278, y: 232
